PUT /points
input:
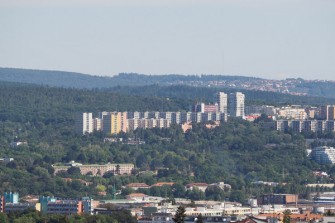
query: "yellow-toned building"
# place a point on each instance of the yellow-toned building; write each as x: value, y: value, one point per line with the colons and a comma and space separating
x: 115, y: 122
x: 98, y: 169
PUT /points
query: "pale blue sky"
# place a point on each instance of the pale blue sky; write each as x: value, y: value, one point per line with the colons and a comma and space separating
x: 263, y: 38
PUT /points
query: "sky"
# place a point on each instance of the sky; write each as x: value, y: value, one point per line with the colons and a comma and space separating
x: 260, y: 38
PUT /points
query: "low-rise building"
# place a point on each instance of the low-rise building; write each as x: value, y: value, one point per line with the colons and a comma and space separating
x: 136, y: 196
x: 14, y: 207
x: 136, y: 186
x: 98, y: 169
x: 160, y: 184
x: 272, y: 199
x: 65, y: 207
x: 51, y: 205
x: 200, y: 186
x: 6, y: 160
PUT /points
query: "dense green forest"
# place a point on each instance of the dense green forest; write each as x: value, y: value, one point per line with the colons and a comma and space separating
x: 238, y: 152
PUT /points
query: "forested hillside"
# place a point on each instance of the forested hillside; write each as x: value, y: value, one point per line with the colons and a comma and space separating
x: 205, y: 82
x: 207, y: 94
x: 237, y: 152
x: 78, y: 80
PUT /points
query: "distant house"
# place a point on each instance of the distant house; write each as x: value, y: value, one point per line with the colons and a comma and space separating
x: 136, y: 196
x: 160, y: 184
x: 200, y: 186
x: 137, y: 186
x: 221, y: 185
x: 102, y: 193
x: 16, y: 144
x: 6, y: 160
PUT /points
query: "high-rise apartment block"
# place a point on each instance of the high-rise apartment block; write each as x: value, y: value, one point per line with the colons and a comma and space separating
x: 236, y: 104
x: 222, y: 101
x: 327, y: 112
x: 205, y: 108
x: 84, y: 123
x: 115, y: 122
x: 97, y: 124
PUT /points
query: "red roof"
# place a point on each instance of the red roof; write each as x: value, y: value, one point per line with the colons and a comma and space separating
x: 159, y: 184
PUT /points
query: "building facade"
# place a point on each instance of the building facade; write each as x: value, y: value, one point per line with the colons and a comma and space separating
x: 99, y: 169
x: 115, y: 122
x: 222, y: 101
x: 323, y: 155
x: 84, y: 123
x: 236, y: 104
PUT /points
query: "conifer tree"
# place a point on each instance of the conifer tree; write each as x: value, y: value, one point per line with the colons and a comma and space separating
x: 180, y: 215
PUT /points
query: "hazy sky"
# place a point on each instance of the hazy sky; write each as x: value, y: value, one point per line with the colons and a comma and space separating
x: 263, y: 38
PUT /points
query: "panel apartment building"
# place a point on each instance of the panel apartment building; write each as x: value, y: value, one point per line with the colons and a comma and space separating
x: 114, y: 122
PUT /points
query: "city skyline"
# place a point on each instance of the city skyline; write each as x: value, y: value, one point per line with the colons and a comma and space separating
x: 267, y: 39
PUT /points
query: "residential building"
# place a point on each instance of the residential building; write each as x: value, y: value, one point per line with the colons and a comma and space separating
x: 84, y: 123
x: 196, y: 117
x: 176, y: 118
x: 292, y: 112
x: 166, y: 115
x: 282, y: 125
x: 200, y: 186
x: 153, y: 115
x: 136, y: 196
x: 327, y: 112
x: 205, y: 117
x: 98, y: 169
x: 133, y: 124
x: 186, y: 117
x: 97, y: 124
x: 311, y: 112
x: 199, y: 107
x: 135, y: 114
x: 297, y: 125
x: 222, y: 101
x: 6, y: 159
x: 236, y: 104
x: 211, y: 108
x: 323, y: 155
x: 137, y: 186
x: 305, y: 125
x: 19, y: 143
x: 115, y: 122
x: 160, y: 184
x: 271, y: 199
x: 205, y: 108
x: 260, y: 109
